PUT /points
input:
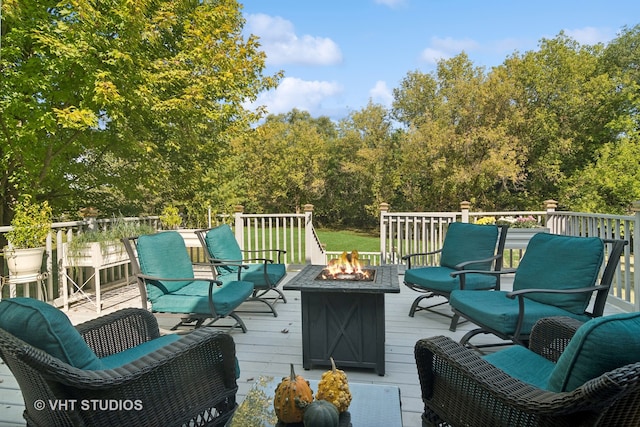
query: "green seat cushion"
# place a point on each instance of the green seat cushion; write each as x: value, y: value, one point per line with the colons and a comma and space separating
x: 439, y: 279
x: 599, y: 346
x: 119, y: 359
x: 494, y: 310
x: 255, y: 274
x: 222, y: 244
x: 560, y: 262
x: 467, y: 242
x: 523, y: 364
x: 195, y: 298
x: 48, y: 329
x: 164, y: 255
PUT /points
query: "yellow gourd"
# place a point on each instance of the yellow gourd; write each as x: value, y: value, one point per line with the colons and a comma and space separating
x: 291, y: 397
x: 333, y: 387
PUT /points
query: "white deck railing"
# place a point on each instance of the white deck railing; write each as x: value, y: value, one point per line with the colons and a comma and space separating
x: 401, y: 233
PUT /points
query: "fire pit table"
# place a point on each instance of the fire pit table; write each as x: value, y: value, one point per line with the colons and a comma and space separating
x: 344, y: 317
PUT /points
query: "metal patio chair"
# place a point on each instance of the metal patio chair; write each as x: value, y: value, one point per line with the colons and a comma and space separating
x: 465, y: 247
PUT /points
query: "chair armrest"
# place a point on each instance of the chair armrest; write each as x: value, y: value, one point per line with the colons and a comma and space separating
x: 409, y: 257
x: 119, y: 331
x: 462, y: 265
x: 522, y: 292
x: 172, y: 385
x: 551, y: 335
x: 178, y: 279
x: 487, y: 272
x: 215, y: 262
x: 461, y: 388
x: 279, y: 252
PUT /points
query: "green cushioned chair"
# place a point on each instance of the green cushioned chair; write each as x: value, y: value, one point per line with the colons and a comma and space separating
x: 573, y: 374
x: 556, y: 277
x: 166, y: 279
x: 465, y: 247
x: 120, y: 357
x: 230, y: 263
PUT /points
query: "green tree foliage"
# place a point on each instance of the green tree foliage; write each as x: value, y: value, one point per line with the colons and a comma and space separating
x: 460, y: 147
x: 284, y: 162
x: 121, y: 104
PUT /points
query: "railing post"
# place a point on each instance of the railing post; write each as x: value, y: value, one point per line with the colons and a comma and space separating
x: 238, y: 210
x: 635, y: 207
x: 550, y: 206
x: 464, y: 210
x: 309, y: 240
x: 384, y: 208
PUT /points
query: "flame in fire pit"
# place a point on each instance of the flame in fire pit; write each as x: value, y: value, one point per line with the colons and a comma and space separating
x: 347, y: 267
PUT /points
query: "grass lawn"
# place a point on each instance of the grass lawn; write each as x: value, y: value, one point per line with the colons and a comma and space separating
x: 348, y: 240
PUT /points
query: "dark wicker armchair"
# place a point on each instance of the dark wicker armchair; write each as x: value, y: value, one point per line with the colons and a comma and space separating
x: 186, y: 380
x: 460, y: 387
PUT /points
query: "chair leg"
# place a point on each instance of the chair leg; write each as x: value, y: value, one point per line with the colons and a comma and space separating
x: 262, y: 300
x: 239, y: 323
x: 454, y: 322
x: 260, y: 292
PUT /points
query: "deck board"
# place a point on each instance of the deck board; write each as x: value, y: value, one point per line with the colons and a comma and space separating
x: 272, y: 343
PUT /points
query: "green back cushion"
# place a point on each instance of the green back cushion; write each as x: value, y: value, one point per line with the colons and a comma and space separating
x: 560, y: 262
x: 467, y: 242
x: 222, y: 244
x: 48, y: 329
x: 599, y: 346
x: 164, y: 255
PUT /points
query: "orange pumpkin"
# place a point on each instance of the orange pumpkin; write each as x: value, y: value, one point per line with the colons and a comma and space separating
x: 292, y: 395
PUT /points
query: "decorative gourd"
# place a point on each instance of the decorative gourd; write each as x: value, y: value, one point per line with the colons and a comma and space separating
x: 333, y: 387
x: 321, y: 413
x: 291, y: 397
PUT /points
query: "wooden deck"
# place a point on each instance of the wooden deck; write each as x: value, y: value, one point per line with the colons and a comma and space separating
x: 271, y: 344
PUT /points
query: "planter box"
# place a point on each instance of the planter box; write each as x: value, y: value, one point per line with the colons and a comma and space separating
x: 518, y: 238
x: 96, y: 255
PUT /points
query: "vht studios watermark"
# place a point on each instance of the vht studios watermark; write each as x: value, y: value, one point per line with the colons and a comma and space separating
x: 88, y: 405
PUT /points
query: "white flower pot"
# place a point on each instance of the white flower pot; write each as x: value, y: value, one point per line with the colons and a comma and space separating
x: 518, y: 238
x: 23, y: 262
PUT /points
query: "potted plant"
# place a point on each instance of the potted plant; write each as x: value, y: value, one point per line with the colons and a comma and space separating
x: 98, y: 248
x: 170, y: 218
x: 521, y: 230
x: 31, y: 225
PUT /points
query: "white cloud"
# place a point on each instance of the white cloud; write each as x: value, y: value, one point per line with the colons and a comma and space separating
x: 297, y: 93
x: 390, y: 3
x: 445, y: 48
x: 282, y: 46
x: 380, y: 93
x: 590, y: 35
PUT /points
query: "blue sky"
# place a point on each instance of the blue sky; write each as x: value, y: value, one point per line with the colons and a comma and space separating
x: 339, y: 54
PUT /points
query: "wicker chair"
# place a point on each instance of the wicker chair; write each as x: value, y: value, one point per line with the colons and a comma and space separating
x: 573, y: 374
x: 144, y: 379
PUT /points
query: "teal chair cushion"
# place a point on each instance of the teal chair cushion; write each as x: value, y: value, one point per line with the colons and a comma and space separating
x: 194, y: 298
x: 439, y: 279
x: 467, y: 242
x: 255, y: 274
x: 523, y: 364
x: 222, y: 244
x: 119, y: 359
x: 599, y: 346
x: 164, y: 255
x: 560, y: 262
x: 495, y: 310
x: 48, y: 329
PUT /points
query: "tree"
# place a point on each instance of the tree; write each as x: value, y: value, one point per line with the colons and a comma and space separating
x: 105, y: 103
x: 364, y: 165
x: 460, y: 148
x: 284, y: 162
